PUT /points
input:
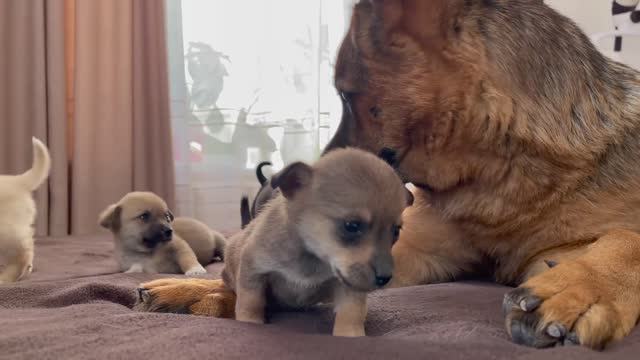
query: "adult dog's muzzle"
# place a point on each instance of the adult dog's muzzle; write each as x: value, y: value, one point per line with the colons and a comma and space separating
x: 389, y: 155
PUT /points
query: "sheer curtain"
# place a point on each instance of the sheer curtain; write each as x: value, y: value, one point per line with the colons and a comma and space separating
x: 251, y: 81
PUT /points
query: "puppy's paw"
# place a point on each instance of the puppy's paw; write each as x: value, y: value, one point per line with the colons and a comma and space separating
x: 250, y: 318
x: 186, y: 296
x: 349, y: 332
x: 135, y: 268
x: 196, y: 270
x: 26, y: 272
x: 567, y: 305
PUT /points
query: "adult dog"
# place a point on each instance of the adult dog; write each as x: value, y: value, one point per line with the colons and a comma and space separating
x: 524, y: 141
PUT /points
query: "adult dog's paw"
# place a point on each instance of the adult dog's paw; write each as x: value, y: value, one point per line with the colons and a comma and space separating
x: 569, y: 304
x: 186, y: 296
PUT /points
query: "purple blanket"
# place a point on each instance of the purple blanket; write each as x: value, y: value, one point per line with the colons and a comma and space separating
x: 75, y: 306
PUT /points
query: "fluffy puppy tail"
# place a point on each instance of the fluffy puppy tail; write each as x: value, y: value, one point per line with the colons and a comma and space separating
x: 221, y: 245
x: 245, y: 213
x: 261, y: 178
x: 34, y: 177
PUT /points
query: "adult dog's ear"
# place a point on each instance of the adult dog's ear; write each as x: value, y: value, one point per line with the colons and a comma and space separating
x: 292, y: 179
x: 427, y: 22
x: 110, y: 217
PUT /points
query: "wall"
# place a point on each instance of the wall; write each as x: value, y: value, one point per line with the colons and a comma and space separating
x: 594, y: 16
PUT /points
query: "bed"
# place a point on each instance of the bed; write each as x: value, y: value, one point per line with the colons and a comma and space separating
x: 75, y: 306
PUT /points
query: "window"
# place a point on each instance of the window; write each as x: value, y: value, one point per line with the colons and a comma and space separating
x: 251, y: 81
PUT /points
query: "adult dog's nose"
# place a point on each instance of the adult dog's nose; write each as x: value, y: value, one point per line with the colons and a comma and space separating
x: 382, y: 280
x: 388, y: 155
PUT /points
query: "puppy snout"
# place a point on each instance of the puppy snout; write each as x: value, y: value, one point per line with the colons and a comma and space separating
x: 164, y: 233
x: 383, y: 280
x: 382, y: 267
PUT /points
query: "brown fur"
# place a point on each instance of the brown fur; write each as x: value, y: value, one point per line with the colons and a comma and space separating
x: 202, y: 297
x: 524, y: 140
x: 148, y: 239
x: 297, y: 252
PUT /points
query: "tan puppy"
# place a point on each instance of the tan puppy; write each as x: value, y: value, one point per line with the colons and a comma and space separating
x: 146, y: 242
x: 327, y: 237
x: 207, y: 244
x: 17, y: 214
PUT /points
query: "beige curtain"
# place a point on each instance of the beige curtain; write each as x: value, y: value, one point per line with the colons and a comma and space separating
x: 32, y: 92
x: 90, y: 78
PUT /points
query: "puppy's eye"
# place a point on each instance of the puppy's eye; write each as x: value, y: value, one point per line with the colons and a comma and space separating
x: 144, y: 217
x: 353, y: 227
x: 168, y: 217
x: 352, y: 231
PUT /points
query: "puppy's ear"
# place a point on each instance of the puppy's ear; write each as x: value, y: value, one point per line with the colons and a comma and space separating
x: 409, y: 197
x: 292, y: 178
x: 110, y: 217
x: 171, y: 216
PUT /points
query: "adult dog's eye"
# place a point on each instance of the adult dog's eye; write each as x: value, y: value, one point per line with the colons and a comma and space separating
x: 353, y: 227
x: 374, y: 111
x: 144, y: 217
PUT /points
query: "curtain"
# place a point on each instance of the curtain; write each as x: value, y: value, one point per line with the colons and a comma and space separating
x: 90, y: 78
x: 122, y: 140
x: 32, y: 96
x: 251, y: 81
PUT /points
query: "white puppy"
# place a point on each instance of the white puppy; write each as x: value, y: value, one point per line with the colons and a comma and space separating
x: 18, y: 213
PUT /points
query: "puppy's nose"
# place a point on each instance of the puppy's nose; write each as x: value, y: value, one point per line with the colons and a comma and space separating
x: 382, y: 280
x: 167, y: 233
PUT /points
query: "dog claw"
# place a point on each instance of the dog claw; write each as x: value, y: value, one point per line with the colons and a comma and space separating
x: 515, y: 299
x: 523, y: 320
x: 523, y: 332
x: 556, y: 330
x: 572, y: 340
x: 143, y: 295
x: 530, y: 303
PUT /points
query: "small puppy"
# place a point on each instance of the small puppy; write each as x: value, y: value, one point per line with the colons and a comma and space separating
x: 327, y: 237
x: 207, y: 244
x: 145, y: 240
x: 263, y: 195
x: 18, y: 213
x: 267, y: 192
